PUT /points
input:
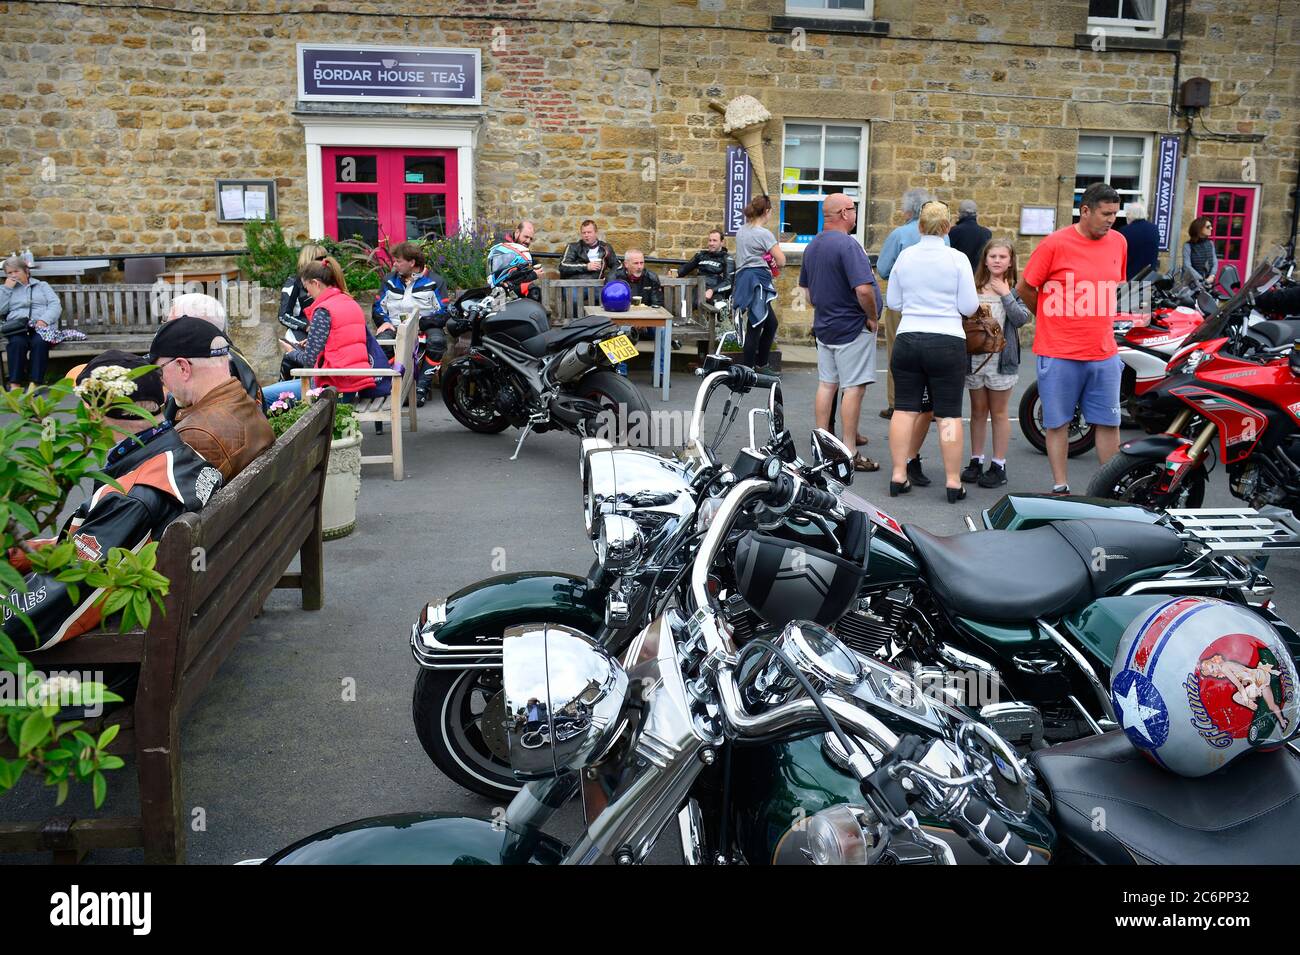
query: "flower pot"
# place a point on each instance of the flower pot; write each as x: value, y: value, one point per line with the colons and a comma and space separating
x: 342, y: 487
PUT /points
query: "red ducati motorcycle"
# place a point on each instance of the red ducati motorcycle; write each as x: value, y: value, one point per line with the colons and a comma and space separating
x: 1231, y: 396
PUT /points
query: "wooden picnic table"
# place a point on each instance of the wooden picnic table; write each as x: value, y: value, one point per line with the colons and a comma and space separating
x: 647, y: 316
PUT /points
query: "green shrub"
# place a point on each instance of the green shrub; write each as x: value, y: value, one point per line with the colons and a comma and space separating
x: 268, y: 258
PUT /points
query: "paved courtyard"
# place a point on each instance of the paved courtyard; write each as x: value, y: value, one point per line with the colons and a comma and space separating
x: 274, y: 752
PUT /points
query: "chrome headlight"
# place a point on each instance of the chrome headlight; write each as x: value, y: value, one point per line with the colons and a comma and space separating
x: 619, y: 544
x: 844, y: 835
x: 564, y: 699
x: 622, y: 480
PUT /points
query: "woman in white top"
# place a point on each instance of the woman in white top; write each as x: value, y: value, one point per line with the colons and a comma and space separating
x: 933, y: 287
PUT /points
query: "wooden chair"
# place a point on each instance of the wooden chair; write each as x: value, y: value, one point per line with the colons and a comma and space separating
x: 389, y: 408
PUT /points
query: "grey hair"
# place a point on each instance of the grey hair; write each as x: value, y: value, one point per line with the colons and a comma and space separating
x: 17, y: 262
x: 198, y: 305
x: 966, y: 208
x: 1135, y: 210
x: 913, y: 199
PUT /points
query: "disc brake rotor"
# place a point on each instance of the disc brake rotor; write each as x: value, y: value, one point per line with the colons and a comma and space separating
x: 492, y: 726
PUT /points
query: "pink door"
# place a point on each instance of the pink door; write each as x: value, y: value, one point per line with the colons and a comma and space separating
x: 386, y: 196
x: 1231, y: 211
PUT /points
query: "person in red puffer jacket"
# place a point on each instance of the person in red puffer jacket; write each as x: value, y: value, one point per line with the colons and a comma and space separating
x: 336, y: 336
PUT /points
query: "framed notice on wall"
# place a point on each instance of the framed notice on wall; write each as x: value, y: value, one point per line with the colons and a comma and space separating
x: 239, y: 200
x: 1037, y: 220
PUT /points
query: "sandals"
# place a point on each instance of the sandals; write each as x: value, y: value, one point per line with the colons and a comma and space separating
x: 862, y: 463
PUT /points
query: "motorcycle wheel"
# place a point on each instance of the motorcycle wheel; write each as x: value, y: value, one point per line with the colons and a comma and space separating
x: 464, y: 398
x: 1082, y: 435
x: 623, y: 400
x: 1128, y: 477
x: 448, y: 707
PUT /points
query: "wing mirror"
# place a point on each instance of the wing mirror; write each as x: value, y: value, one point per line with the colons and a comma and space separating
x: 832, y: 455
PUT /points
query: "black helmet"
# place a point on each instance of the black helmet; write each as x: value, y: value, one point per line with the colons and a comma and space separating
x: 784, y: 581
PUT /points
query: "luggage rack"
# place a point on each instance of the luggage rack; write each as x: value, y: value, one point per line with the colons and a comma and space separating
x: 1226, y: 529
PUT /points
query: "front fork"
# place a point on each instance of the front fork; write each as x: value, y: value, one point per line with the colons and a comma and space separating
x: 1185, y: 459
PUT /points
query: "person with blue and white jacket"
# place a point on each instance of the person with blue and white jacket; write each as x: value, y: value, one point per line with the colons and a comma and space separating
x: 409, y: 289
x: 30, y: 310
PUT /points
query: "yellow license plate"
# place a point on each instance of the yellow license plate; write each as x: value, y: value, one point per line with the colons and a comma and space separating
x: 618, y: 348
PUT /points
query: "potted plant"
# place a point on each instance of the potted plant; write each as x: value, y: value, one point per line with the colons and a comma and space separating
x: 343, y: 475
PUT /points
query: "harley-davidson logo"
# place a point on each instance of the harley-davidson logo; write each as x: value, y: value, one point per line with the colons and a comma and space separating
x: 88, y: 547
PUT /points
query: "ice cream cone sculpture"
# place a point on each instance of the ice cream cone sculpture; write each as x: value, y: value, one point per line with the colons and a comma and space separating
x: 745, y: 118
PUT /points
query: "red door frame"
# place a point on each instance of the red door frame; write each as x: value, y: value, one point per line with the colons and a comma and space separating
x: 389, y: 186
x: 1231, y: 210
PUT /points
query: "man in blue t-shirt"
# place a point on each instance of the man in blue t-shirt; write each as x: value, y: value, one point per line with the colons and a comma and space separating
x: 846, y: 305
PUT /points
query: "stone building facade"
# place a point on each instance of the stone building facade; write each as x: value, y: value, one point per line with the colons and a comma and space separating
x: 119, y: 120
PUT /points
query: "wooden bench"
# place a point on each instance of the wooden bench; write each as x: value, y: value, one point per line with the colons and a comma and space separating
x: 388, y: 409
x: 248, y: 535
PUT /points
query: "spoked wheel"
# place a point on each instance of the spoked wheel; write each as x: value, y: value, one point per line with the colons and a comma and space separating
x: 1082, y: 435
x: 470, y: 400
x: 1137, y: 480
x: 460, y: 721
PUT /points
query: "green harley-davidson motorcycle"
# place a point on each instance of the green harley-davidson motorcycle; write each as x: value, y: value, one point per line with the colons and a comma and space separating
x: 797, y: 749
x: 1019, y: 620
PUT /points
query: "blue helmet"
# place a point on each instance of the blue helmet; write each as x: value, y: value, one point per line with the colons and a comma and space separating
x: 616, y: 296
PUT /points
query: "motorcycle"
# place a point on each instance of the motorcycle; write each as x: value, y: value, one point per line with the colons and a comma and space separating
x: 1233, y: 385
x: 1145, y: 344
x: 1039, y: 640
x: 797, y: 750
x: 521, y: 372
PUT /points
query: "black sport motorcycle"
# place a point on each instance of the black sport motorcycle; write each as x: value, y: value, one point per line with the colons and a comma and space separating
x: 521, y: 372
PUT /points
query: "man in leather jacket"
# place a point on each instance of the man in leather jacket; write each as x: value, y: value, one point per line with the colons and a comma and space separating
x: 160, y: 477
x: 214, y: 415
x: 713, y: 263
x: 589, y: 257
x: 198, y: 305
x: 641, y: 280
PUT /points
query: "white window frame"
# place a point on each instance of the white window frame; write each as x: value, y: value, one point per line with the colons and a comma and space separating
x: 1155, y: 27
x: 860, y: 199
x: 409, y: 132
x: 868, y: 12
x: 1144, y: 179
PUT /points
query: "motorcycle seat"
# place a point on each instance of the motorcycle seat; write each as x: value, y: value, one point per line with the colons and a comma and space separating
x: 1244, y: 814
x: 1048, y: 571
x: 556, y: 339
x: 1277, y: 332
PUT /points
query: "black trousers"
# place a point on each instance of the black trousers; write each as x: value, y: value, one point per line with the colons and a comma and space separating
x: 20, y: 346
x: 758, y: 340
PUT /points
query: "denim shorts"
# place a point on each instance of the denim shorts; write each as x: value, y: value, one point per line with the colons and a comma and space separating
x: 1092, y: 386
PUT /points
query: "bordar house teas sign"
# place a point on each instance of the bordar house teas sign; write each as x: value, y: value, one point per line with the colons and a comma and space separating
x: 404, y: 74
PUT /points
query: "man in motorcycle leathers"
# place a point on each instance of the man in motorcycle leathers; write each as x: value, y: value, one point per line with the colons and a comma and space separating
x: 160, y: 478
x: 412, y: 289
x: 713, y: 263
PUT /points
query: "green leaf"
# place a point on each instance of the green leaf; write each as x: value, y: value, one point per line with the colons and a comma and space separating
x: 11, y: 770
x: 61, y: 729
x: 108, y: 736
x: 85, y: 767
x: 116, y: 600
x: 84, y: 738
x: 103, y: 478
x: 100, y: 787
x: 34, y: 732
x: 111, y: 762
x: 63, y: 793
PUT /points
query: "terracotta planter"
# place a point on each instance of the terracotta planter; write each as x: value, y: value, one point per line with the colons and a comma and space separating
x: 342, y: 487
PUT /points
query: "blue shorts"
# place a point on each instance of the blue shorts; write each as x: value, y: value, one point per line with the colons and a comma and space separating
x: 1092, y: 386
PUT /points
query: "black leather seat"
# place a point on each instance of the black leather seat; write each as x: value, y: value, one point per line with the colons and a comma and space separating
x: 1245, y: 814
x: 1013, y: 576
x: 1112, y: 550
x: 1276, y: 333
x: 1003, y: 576
x: 556, y: 339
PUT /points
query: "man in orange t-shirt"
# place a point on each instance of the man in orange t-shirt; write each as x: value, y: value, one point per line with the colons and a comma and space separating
x: 1070, y: 284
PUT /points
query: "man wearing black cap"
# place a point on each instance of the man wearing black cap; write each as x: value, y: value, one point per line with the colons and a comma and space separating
x: 214, y: 416
x: 160, y: 477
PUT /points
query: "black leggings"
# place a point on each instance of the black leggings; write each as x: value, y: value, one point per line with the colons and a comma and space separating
x: 758, y: 340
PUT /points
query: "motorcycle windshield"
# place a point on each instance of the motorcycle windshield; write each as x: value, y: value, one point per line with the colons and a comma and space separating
x: 1262, y: 279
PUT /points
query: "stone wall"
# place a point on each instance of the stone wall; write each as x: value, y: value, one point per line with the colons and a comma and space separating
x: 118, y: 120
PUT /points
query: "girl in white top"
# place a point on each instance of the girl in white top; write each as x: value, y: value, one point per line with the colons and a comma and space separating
x: 932, y: 286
